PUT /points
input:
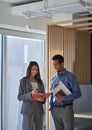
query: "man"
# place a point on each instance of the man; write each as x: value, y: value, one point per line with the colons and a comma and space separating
x: 61, y: 106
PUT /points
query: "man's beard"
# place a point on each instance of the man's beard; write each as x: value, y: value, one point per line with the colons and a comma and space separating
x: 59, y: 72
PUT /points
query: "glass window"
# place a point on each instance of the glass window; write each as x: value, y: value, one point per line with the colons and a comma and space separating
x: 19, y: 51
x: 0, y: 81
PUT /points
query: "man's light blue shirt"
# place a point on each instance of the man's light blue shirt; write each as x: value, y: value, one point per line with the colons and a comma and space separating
x: 70, y: 81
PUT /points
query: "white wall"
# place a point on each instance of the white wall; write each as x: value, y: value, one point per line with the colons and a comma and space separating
x: 35, y: 23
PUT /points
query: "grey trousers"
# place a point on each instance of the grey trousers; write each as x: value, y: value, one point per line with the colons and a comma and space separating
x: 33, y: 121
x: 63, y: 118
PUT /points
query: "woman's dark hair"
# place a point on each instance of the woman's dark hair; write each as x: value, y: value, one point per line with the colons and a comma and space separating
x: 29, y: 68
x: 58, y: 57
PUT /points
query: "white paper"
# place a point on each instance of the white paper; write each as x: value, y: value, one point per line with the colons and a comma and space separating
x: 61, y: 86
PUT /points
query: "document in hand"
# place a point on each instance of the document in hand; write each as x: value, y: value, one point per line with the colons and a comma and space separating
x: 61, y: 89
x: 36, y: 96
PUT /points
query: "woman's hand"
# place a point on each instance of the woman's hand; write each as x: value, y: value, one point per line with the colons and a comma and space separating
x: 41, y: 99
x: 34, y: 91
x: 37, y: 97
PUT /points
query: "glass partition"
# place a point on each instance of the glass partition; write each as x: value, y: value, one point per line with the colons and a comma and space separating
x: 19, y: 51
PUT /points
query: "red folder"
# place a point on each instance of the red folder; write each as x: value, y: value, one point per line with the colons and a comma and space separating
x: 46, y: 95
x: 36, y: 96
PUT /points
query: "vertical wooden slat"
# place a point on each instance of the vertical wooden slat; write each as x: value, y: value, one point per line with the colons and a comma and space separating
x: 47, y: 79
x: 83, y: 57
x: 69, y: 49
x: 55, y: 46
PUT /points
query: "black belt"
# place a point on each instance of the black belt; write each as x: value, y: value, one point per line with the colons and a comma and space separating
x: 64, y: 105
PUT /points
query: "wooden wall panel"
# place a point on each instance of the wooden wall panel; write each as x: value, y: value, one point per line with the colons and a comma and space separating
x: 69, y: 49
x: 55, y: 46
x: 74, y: 46
x: 82, y: 57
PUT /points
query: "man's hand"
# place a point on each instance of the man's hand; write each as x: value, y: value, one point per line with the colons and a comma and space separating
x: 59, y: 98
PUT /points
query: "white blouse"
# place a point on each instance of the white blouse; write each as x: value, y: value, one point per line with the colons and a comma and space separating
x: 34, y: 85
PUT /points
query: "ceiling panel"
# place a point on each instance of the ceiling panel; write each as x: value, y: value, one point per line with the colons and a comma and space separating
x: 18, y: 1
x: 30, y: 10
x: 48, y: 7
x: 90, y: 1
x: 75, y: 6
x: 12, y: 1
x: 71, y: 8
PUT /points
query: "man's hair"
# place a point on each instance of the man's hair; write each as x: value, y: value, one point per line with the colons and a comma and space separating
x: 58, y: 57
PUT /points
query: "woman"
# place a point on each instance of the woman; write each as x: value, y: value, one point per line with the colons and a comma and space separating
x: 32, y: 110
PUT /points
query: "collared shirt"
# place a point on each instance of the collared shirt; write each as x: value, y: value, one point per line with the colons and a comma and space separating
x: 70, y: 81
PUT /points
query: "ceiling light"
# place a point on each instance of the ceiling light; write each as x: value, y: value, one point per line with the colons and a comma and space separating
x: 36, y: 14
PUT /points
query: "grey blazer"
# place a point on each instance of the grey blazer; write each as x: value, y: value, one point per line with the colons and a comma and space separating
x: 24, y: 95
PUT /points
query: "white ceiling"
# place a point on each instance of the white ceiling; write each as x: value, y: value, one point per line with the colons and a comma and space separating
x: 48, y: 7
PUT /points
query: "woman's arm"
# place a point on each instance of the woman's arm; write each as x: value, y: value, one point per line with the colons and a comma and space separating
x: 22, y: 95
